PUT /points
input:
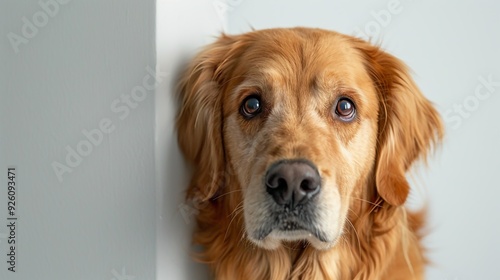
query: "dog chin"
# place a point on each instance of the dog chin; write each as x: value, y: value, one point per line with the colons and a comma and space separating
x: 275, y: 239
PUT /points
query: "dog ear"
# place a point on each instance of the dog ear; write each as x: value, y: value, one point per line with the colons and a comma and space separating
x: 409, y: 126
x: 199, y: 121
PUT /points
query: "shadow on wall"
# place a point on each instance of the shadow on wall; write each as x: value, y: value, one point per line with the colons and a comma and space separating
x: 180, y: 220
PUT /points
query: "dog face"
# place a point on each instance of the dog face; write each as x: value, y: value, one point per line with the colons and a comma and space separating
x: 305, y: 122
x: 300, y: 132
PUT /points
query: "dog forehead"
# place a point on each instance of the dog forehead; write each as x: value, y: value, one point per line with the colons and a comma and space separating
x: 300, y: 59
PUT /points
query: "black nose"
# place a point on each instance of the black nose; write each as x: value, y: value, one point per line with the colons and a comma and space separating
x: 292, y: 182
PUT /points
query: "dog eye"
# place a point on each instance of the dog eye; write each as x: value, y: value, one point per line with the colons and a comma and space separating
x: 251, y: 106
x: 345, y: 109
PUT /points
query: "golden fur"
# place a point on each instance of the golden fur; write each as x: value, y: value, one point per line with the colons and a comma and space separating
x: 299, y: 73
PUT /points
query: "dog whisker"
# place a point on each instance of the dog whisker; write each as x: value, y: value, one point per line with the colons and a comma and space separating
x: 237, y: 210
x: 226, y: 193
x: 354, y: 213
x: 355, y: 232
x: 362, y: 200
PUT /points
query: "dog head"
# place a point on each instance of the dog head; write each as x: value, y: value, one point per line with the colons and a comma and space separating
x: 304, y: 122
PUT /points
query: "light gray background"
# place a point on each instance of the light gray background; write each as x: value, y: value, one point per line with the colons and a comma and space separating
x: 100, y: 222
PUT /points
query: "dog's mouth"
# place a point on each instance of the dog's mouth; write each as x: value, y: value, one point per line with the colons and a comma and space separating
x: 291, y: 231
x: 290, y: 226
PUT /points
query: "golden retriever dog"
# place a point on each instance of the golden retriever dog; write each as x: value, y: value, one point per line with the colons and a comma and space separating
x: 299, y: 140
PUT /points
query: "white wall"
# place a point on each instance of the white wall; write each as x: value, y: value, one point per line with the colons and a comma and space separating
x: 450, y: 46
x: 97, y: 221
x: 182, y: 28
